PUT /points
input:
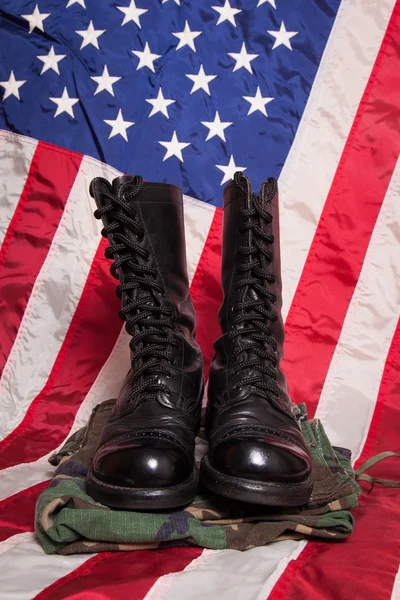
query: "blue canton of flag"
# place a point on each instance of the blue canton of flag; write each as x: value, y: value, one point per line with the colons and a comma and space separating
x: 174, y: 90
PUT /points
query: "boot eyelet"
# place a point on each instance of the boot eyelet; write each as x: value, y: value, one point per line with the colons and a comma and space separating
x: 132, y: 211
x: 140, y: 237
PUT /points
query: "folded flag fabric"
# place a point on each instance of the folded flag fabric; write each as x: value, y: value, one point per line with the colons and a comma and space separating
x: 69, y: 521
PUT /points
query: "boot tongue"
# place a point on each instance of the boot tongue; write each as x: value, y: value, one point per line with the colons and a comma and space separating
x: 250, y: 293
x: 137, y: 293
x: 120, y: 181
x: 117, y: 184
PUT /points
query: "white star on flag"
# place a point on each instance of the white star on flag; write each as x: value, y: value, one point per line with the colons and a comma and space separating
x: 178, y: 2
x: 119, y: 126
x: 146, y: 58
x: 257, y: 102
x: 243, y: 59
x: 159, y: 104
x: 201, y: 81
x: 50, y: 61
x: 64, y: 104
x: 187, y: 37
x: 271, y: 2
x: 12, y: 86
x: 174, y: 147
x: 226, y: 13
x: 132, y: 13
x: 105, y: 82
x: 229, y: 170
x: 90, y: 36
x: 36, y: 19
x: 216, y: 127
x: 71, y: 2
x: 282, y: 37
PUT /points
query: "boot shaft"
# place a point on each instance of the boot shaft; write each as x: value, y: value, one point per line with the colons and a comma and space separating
x: 158, y: 210
x: 236, y: 236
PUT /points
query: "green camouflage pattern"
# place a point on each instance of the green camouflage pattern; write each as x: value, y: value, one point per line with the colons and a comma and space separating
x: 69, y: 521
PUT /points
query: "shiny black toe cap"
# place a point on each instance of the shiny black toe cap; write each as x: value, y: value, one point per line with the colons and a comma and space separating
x: 259, y: 461
x: 142, y: 466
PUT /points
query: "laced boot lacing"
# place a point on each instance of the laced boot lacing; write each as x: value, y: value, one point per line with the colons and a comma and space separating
x: 253, y: 315
x: 149, y: 320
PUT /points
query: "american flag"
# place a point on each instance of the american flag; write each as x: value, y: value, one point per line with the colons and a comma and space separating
x: 188, y: 92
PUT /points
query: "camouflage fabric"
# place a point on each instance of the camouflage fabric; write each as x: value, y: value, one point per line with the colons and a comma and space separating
x: 69, y: 521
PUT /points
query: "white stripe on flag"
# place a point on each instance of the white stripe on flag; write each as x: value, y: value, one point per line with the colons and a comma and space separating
x: 298, y: 547
x: 25, y: 570
x: 23, y: 476
x: 198, y: 219
x: 227, y: 574
x: 53, y: 300
x: 328, y: 117
x: 396, y: 587
x: 16, y: 154
x: 164, y: 586
x: 351, y: 387
x: 27, y: 536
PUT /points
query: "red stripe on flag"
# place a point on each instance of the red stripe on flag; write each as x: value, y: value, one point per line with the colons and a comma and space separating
x: 337, y: 252
x: 111, y: 575
x: 206, y: 291
x: 91, y: 336
x: 17, y: 513
x: 30, y: 233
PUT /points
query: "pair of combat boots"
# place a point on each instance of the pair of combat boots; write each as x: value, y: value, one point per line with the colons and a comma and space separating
x: 145, y: 456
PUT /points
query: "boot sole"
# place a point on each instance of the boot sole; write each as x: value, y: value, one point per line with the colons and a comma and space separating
x: 254, y: 492
x: 148, y: 499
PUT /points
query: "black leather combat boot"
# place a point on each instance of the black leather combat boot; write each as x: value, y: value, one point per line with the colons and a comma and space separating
x: 145, y: 456
x: 257, y: 452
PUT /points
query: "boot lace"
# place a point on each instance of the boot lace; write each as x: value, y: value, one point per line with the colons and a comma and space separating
x: 149, y: 320
x: 250, y: 324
